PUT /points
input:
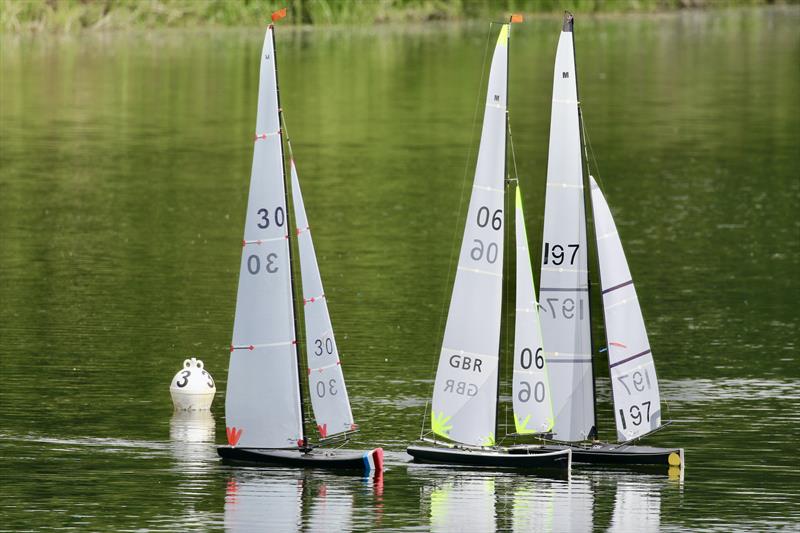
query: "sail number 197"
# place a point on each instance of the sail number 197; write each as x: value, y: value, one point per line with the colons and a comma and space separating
x: 556, y: 254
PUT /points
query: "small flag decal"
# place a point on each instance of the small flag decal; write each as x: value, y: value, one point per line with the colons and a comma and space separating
x: 233, y: 435
x: 278, y: 15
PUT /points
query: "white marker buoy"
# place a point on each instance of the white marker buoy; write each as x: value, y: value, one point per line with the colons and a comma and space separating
x: 192, y: 388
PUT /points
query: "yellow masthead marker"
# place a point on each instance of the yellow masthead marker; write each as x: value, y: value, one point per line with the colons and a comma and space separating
x: 502, y: 39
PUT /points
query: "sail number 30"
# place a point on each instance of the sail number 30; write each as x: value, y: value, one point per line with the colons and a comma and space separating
x: 254, y: 264
x: 279, y: 217
x: 324, y: 389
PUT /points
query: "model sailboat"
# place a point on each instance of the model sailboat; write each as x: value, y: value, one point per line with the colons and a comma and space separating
x: 564, y: 293
x: 465, y: 394
x: 265, y: 419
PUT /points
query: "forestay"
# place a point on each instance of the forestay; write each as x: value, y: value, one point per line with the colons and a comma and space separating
x: 465, y: 391
x: 325, y: 380
x: 262, y: 403
x: 564, y: 283
x: 533, y: 410
x: 637, y: 403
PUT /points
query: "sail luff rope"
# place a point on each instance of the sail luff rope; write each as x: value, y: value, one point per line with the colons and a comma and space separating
x: 456, y: 240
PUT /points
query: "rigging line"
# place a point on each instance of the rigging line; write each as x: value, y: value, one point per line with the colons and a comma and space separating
x: 509, y: 360
x: 511, y: 143
x: 587, y: 144
x: 456, y: 240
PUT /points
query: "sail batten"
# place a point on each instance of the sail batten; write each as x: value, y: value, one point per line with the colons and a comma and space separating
x: 564, y: 281
x: 262, y: 404
x: 637, y: 401
x: 465, y: 389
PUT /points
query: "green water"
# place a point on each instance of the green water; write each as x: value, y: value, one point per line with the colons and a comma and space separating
x: 124, y: 167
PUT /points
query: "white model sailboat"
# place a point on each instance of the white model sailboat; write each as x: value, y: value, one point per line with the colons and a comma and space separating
x: 564, y: 294
x: 263, y: 405
x: 465, y: 393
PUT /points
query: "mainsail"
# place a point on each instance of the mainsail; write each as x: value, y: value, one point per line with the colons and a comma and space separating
x: 637, y: 403
x: 325, y: 380
x: 564, y: 283
x: 465, y: 391
x: 262, y: 403
x: 533, y: 410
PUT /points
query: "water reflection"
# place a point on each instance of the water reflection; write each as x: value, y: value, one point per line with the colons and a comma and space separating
x: 290, y: 500
x: 470, y: 501
x: 553, y: 506
x: 191, y: 436
x: 637, y: 507
x: 464, y: 503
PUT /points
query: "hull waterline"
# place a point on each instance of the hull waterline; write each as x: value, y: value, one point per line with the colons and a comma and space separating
x: 616, y: 454
x: 498, y: 458
x: 365, y: 461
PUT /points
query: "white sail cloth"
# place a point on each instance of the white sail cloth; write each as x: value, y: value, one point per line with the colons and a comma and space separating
x: 637, y: 402
x: 564, y: 282
x: 325, y: 379
x: 262, y: 403
x: 465, y: 391
x: 533, y: 409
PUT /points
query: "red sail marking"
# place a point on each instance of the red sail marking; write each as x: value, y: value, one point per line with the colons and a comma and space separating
x: 323, y: 430
x: 233, y: 435
x: 619, y: 344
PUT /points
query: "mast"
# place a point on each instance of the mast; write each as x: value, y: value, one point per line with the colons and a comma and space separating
x: 569, y: 20
x: 507, y: 217
x: 282, y: 130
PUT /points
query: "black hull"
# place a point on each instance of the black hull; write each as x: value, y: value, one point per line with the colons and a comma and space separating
x: 363, y: 461
x: 498, y: 458
x: 616, y: 454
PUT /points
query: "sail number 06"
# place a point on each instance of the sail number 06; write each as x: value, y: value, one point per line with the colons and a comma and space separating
x: 525, y: 391
x: 483, y: 218
x: 479, y: 251
x: 526, y: 358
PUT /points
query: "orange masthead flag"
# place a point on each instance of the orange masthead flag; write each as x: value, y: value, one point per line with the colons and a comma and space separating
x: 515, y: 17
x: 278, y: 15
